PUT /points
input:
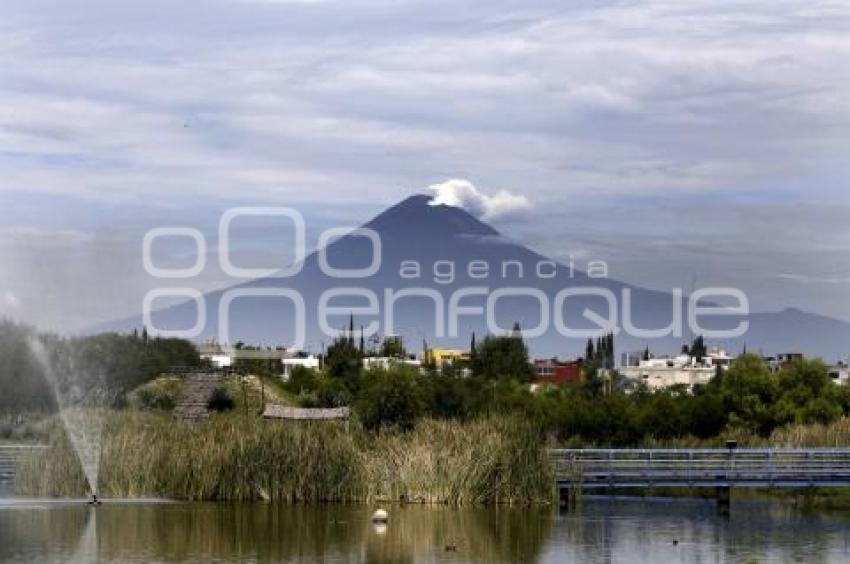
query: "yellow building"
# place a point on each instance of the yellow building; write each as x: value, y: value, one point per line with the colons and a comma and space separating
x: 441, y: 357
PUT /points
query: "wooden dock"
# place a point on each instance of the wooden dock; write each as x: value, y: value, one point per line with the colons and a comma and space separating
x: 580, y: 470
x: 749, y: 468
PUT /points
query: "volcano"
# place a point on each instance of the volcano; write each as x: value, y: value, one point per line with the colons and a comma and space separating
x: 431, y: 253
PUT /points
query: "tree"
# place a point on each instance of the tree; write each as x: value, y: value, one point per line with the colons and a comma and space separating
x: 589, y: 353
x: 807, y: 394
x: 502, y: 357
x: 23, y: 385
x: 599, y: 353
x: 342, y: 359
x: 698, y: 349
x: 706, y: 415
x: 373, y: 345
x: 447, y: 395
x: 302, y: 379
x: 749, y: 392
x: 393, y: 347
x: 390, y: 399
x: 820, y: 410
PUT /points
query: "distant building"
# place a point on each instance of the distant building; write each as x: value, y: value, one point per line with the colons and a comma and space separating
x: 840, y: 373
x: 385, y: 362
x: 223, y: 356
x: 219, y: 360
x: 631, y: 358
x: 214, y: 353
x: 553, y: 371
x: 442, y: 357
x: 684, y: 369
x: 717, y: 356
x: 781, y: 361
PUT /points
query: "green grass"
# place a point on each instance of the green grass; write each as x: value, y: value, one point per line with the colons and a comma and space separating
x: 161, y: 393
x: 279, y: 391
x: 831, y: 435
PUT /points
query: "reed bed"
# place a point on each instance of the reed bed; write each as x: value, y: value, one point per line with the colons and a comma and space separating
x: 497, y: 460
x: 834, y: 435
x: 239, y: 458
x: 814, y: 435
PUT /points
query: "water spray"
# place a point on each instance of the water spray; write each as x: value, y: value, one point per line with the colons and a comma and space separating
x: 82, y: 399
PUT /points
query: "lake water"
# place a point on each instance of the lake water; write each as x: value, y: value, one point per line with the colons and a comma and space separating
x: 601, y: 530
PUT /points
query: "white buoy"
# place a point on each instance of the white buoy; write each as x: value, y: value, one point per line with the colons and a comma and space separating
x: 380, y: 516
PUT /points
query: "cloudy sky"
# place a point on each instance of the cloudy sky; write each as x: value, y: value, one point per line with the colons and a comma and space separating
x: 678, y: 140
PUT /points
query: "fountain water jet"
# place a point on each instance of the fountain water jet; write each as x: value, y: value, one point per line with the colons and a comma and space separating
x: 82, y: 399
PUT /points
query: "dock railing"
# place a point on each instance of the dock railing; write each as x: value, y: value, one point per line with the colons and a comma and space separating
x: 740, y: 467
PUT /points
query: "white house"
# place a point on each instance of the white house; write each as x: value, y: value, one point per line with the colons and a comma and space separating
x: 718, y: 357
x: 840, y: 373
x: 385, y: 362
x: 290, y: 363
x: 215, y: 354
x: 219, y: 360
x: 683, y: 369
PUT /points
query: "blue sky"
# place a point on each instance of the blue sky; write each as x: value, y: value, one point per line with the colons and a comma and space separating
x: 676, y: 140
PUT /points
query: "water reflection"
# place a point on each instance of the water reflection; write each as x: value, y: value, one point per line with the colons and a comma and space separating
x: 87, y: 546
x: 667, y: 530
x: 599, y: 531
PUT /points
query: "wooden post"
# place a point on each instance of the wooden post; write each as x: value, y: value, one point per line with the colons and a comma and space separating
x: 724, y: 493
x: 724, y: 500
x: 244, y: 395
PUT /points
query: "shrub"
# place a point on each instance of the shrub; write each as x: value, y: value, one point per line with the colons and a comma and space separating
x: 150, y: 398
x: 391, y: 398
x: 302, y: 380
x: 221, y: 400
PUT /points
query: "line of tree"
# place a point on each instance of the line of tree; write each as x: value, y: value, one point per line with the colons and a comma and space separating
x: 745, y: 397
x: 118, y: 362
x: 601, y: 355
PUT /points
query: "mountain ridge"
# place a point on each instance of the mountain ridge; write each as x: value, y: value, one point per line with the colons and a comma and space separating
x: 416, y: 231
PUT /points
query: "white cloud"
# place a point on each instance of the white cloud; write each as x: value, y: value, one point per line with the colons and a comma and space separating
x: 463, y: 194
x: 345, y: 104
x: 804, y: 278
x: 10, y: 303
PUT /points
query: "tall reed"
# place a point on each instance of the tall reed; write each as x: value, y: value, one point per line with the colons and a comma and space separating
x: 239, y: 458
x: 497, y: 460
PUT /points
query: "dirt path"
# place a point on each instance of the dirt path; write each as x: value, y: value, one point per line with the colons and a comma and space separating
x: 273, y: 395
